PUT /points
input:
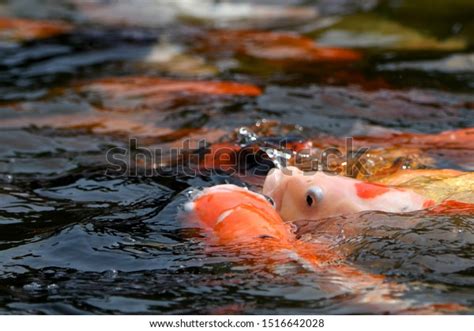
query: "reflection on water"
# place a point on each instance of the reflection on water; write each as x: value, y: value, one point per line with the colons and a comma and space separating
x: 79, y: 78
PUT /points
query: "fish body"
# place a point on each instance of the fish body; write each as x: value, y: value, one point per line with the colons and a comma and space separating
x: 243, y: 221
x: 302, y: 195
x: 240, y: 219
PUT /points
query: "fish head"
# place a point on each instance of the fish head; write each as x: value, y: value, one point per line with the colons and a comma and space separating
x: 305, y: 196
x: 236, y: 214
x: 316, y: 195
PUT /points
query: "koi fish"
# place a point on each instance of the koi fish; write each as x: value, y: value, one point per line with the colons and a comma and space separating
x: 273, y: 46
x: 235, y: 215
x: 240, y: 220
x: 311, y: 196
x: 16, y: 29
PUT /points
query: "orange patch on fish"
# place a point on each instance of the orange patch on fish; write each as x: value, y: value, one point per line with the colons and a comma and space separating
x: 370, y: 191
x: 230, y: 88
x: 299, y: 146
x: 452, y: 207
x: 135, y: 93
x: 429, y: 203
x: 274, y: 46
x: 24, y: 29
x: 452, y: 139
x: 210, y: 208
x: 148, y: 86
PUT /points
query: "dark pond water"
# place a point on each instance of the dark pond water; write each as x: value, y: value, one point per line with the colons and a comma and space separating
x: 77, y: 238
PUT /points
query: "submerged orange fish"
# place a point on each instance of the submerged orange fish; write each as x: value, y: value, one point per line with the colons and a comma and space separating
x: 236, y: 216
x: 246, y: 222
x: 273, y: 46
x: 243, y: 221
x: 18, y: 29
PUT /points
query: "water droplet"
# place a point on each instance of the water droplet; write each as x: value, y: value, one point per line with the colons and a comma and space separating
x: 52, y: 288
x: 6, y: 178
x: 111, y: 274
x: 34, y: 286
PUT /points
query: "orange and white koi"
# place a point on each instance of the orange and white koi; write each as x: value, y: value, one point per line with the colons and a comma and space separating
x: 234, y: 216
x: 311, y: 196
x: 244, y: 221
x: 240, y: 220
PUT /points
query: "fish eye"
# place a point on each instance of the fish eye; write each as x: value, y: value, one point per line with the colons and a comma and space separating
x: 269, y: 199
x: 314, y: 194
